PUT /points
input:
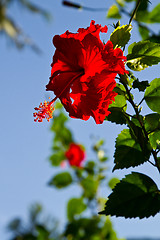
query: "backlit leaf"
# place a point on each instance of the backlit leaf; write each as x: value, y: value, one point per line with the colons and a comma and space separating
x: 113, y: 12
x: 112, y: 182
x: 118, y: 107
x: 152, y: 95
x: 154, y: 16
x: 152, y: 122
x: 142, y: 55
x: 121, y: 35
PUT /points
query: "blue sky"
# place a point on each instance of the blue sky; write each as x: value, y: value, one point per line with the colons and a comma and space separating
x: 26, y: 145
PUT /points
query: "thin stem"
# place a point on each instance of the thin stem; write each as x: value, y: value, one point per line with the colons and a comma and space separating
x: 139, y: 24
x: 151, y: 163
x: 141, y: 102
x: 135, y: 10
x: 129, y: 115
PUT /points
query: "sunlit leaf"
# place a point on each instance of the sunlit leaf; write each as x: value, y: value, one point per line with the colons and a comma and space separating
x: 142, y: 55
x: 112, y: 182
x: 113, y: 12
x: 121, y: 2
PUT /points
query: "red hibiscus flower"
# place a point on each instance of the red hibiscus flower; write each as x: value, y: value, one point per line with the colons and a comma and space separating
x: 75, y: 155
x: 83, y: 74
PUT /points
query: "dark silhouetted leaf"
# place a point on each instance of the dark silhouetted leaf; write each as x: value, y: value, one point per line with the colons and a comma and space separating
x: 136, y: 195
x: 128, y: 151
x: 141, y: 86
x: 117, y: 116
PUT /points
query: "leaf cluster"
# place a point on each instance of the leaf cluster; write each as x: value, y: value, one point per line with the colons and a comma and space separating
x: 143, y: 17
x: 136, y: 195
x: 89, y: 178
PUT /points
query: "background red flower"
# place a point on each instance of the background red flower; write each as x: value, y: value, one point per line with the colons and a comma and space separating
x: 75, y: 155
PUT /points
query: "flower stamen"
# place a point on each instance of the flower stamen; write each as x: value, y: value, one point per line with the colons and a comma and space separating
x: 44, y: 110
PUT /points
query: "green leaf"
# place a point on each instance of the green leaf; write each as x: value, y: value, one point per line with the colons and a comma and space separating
x: 152, y: 95
x: 143, y: 54
x: 128, y: 151
x: 120, y: 100
x: 154, y: 139
x: 120, y: 89
x: 113, y: 12
x: 136, y: 195
x: 121, y: 36
x: 43, y: 233
x: 90, y: 186
x: 152, y: 122
x: 90, y: 167
x: 57, y: 158
x: 118, y: 107
x: 152, y: 126
x: 154, y: 38
x: 112, y: 182
x: 61, y: 180
x: 75, y: 207
x: 120, y: 3
x: 117, y: 116
x: 144, y: 32
x: 83, y: 228
x: 62, y: 134
x: 141, y: 86
x: 154, y: 16
x: 143, y: 5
